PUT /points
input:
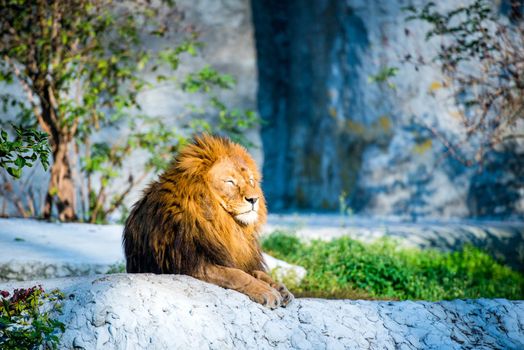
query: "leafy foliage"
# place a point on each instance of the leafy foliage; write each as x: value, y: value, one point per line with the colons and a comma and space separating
x: 347, y: 268
x: 83, y: 65
x: 26, y: 319
x: 28, y: 146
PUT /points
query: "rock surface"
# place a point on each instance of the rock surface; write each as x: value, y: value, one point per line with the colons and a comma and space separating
x: 179, y: 312
x: 331, y: 136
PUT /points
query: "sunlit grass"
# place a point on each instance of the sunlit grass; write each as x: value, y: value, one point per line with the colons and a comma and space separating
x: 345, y: 268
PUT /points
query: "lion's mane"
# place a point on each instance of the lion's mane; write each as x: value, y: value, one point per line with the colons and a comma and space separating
x: 178, y: 227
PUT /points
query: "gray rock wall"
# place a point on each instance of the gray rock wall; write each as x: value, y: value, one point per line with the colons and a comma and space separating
x: 330, y: 132
x: 178, y: 312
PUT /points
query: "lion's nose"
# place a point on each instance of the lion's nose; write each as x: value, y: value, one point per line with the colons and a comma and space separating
x: 252, y: 200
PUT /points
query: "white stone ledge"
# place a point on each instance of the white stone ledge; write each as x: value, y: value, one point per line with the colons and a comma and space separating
x: 31, y: 249
x: 178, y: 312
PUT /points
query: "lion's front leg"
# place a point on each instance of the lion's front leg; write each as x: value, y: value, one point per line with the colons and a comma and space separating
x: 242, y: 282
x: 287, y: 297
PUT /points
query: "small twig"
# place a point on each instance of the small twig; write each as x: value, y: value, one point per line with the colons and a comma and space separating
x: 123, y: 195
x: 449, y: 146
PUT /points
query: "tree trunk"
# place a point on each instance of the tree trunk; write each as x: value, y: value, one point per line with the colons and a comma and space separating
x: 61, y: 189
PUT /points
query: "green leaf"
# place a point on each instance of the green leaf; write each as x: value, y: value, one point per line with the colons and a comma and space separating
x: 14, y: 172
x: 20, y: 162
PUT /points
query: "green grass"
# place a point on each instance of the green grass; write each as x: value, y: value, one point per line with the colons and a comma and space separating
x: 118, y: 267
x: 345, y: 268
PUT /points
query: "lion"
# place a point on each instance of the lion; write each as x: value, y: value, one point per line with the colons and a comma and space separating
x: 202, y: 218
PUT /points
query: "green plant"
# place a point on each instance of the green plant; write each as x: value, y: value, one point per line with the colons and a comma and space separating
x: 343, y: 205
x: 28, y: 146
x: 118, y: 267
x: 26, y: 319
x: 383, y: 76
x: 78, y: 63
x: 346, y: 268
x: 82, y: 65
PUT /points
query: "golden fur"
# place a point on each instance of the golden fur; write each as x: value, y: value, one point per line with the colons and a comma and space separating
x: 187, y: 218
x: 202, y: 218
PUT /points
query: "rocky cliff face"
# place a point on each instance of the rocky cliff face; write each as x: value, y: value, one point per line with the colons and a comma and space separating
x: 333, y: 137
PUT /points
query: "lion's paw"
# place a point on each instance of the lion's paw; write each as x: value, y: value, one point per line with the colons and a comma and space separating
x: 272, y: 299
x: 266, y: 296
x: 286, y: 295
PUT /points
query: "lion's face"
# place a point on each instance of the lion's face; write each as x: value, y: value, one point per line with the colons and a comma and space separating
x: 236, y: 186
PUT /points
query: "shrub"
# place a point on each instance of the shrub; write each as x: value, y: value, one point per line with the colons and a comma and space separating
x: 26, y: 319
x: 346, y: 268
x: 27, y: 146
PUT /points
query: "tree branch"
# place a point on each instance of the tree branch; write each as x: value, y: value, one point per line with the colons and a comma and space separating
x: 30, y: 97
